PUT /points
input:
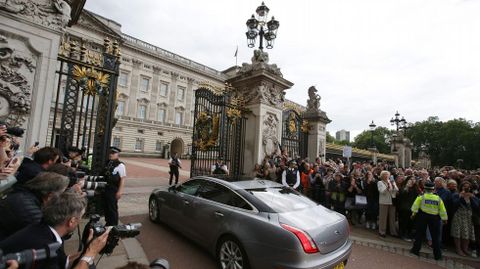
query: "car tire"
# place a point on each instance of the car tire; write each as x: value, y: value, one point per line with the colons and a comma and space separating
x: 153, y: 210
x: 231, y: 255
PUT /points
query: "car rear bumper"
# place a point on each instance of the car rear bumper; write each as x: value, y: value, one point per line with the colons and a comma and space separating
x: 320, y: 261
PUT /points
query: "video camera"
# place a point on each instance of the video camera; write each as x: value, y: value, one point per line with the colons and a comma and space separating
x: 28, y: 258
x: 117, y: 232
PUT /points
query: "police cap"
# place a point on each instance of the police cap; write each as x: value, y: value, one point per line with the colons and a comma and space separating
x: 429, y: 186
x: 115, y: 150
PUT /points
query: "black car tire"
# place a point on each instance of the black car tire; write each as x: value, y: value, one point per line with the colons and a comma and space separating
x: 229, y: 249
x: 153, y: 210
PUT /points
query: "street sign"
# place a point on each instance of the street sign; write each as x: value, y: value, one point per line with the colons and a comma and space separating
x: 347, y: 152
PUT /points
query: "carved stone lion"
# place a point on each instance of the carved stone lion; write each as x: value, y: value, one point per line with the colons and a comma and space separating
x: 313, y: 102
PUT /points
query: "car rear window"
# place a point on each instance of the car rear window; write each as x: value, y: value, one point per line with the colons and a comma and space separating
x: 282, y: 199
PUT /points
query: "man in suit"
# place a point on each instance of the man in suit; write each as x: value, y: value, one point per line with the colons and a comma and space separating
x: 61, y: 216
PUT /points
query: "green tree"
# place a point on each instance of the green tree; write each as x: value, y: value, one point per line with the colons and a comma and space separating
x: 447, y: 142
x: 330, y: 138
x: 381, y: 136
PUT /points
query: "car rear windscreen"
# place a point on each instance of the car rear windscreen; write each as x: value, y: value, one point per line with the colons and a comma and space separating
x: 282, y: 199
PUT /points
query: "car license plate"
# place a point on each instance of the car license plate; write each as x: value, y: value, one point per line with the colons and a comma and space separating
x: 339, y: 266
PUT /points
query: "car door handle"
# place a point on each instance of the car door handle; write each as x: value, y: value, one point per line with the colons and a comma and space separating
x: 218, y: 214
x: 186, y: 202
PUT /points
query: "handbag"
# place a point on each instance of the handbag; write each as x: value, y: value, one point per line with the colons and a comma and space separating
x: 360, y: 200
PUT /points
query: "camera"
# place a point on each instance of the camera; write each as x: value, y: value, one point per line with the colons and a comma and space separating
x: 15, y: 131
x: 28, y: 258
x: 116, y: 233
x: 94, y: 178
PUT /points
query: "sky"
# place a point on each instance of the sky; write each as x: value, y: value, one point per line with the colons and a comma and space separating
x: 367, y: 59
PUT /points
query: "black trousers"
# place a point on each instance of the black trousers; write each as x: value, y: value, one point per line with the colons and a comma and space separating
x: 111, y: 206
x: 173, y: 172
x: 405, y: 224
x: 432, y: 221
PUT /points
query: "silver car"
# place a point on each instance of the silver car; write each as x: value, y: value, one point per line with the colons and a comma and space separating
x: 254, y: 223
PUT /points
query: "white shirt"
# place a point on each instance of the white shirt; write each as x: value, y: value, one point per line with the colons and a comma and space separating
x: 59, y: 240
x: 121, y: 170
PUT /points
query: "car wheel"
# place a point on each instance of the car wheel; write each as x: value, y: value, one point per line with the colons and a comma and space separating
x: 153, y: 210
x: 231, y: 255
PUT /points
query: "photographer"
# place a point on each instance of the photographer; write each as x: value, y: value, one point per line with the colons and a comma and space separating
x: 22, y: 207
x: 42, y: 159
x: 61, y: 216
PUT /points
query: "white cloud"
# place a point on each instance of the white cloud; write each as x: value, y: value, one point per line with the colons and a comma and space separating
x: 366, y: 58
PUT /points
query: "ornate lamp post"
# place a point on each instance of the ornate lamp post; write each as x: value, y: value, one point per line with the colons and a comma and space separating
x: 257, y: 25
x: 373, y: 148
x: 372, y: 129
x: 400, y: 123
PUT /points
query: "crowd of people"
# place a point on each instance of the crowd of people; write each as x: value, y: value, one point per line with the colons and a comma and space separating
x: 43, y: 199
x: 381, y: 196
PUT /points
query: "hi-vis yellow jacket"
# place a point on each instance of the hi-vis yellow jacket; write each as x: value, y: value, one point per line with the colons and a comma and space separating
x: 431, y: 204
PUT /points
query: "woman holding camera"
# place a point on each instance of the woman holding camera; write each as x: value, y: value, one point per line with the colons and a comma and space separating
x: 462, y: 229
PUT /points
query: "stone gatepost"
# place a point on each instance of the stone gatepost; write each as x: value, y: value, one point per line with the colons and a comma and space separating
x: 402, y: 148
x: 261, y: 87
x: 317, y: 121
x: 30, y: 33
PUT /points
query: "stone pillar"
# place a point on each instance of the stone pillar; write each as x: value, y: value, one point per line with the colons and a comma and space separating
x: 261, y: 87
x: 134, y: 91
x: 317, y: 135
x: 171, y: 99
x: 30, y: 33
x: 408, y: 153
x: 189, y: 106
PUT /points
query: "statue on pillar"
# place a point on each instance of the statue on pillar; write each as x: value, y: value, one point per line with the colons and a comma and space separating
x: 313, y: 102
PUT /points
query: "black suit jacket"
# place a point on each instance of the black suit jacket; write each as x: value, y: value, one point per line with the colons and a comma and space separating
x: 35, y: 236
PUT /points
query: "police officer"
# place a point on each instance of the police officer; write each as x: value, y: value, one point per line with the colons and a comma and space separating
x: 428, y: 209
x: 291, y: 176
x: 115, y: 174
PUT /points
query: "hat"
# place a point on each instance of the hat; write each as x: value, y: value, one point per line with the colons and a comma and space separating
x: 115, y: 150
x: 429, y: 186
x: 292, y: 162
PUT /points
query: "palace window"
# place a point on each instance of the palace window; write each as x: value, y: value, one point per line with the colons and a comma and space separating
x: 139, y: 144
x: 163, y: 89
x: 142, y: 111
x: 179, y: 117
x: 158, y: 146
x: 144, y: 84
x: 180, y: 93
x: 117, y: 142
x: 123, y: 79
x: 120, y: 108
x: 161, y: 115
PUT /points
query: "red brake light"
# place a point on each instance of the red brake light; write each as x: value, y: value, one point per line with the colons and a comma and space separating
x: 307, y: 242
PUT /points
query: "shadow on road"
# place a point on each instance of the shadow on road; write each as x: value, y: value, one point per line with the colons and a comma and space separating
x: 159, y: 240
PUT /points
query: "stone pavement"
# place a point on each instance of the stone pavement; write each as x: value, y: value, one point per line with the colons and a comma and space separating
x: 451, y: 260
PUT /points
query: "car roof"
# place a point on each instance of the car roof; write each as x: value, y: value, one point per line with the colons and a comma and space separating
x: 243, y: 183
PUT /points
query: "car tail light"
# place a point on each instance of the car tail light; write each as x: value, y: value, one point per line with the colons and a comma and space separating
x: 307, y: 242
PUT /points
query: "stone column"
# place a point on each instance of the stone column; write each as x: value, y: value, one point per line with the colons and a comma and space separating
x: 171, y: 99
x: 155, y: 88
x: 132, y: 100
x: 262, y: 87
x: 189, y: 95
x: 317, y: 135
